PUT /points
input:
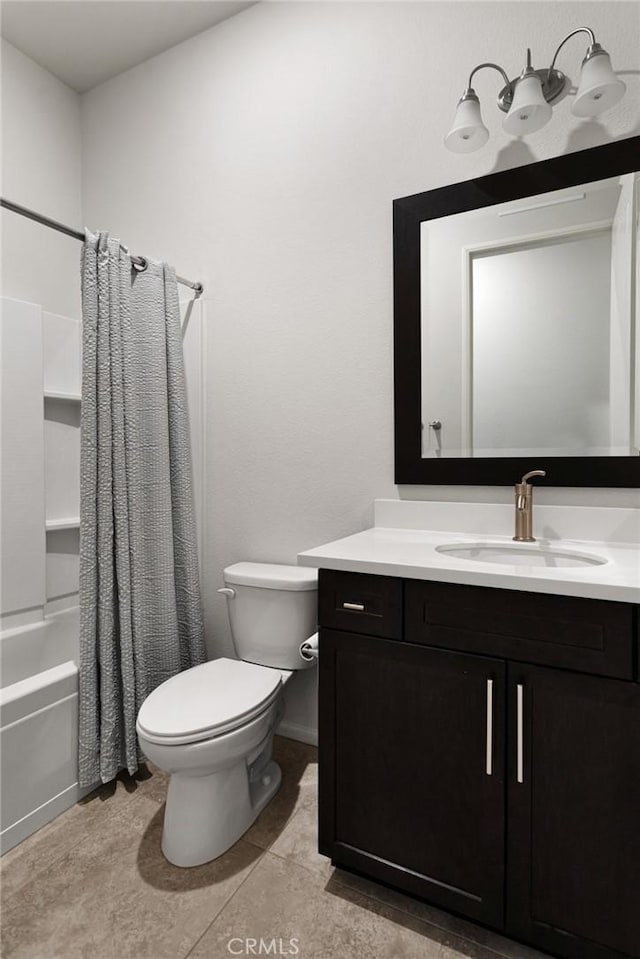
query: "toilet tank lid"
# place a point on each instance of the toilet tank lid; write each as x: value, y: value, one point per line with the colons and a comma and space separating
x: 271, y: 576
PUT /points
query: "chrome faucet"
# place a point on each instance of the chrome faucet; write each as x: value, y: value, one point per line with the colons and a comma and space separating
x: 524, y: 507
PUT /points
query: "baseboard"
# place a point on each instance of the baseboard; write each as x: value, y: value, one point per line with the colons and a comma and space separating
x: 303, y: 734
x: 37, y: 818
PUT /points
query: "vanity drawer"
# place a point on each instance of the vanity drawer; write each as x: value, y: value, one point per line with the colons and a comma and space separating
x: 360, y: 603
x: 588, y: 635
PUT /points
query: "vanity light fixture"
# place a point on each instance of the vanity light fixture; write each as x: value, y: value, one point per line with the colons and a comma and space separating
x: 528, y: 98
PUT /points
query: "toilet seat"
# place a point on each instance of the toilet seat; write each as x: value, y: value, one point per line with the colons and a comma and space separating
x: 207, y: 701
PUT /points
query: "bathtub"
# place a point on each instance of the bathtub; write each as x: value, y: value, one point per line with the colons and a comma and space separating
x: 38, y: 724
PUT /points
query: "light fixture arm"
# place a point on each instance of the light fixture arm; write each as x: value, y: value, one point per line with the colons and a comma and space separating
x: 528, y: 98
x: 568, y: 37
x: 481, y: 66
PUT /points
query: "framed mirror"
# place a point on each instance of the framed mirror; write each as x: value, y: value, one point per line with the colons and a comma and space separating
x: 516, y: 343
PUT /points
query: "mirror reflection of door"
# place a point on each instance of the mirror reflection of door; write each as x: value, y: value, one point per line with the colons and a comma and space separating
x: 527, y: 325
x: 540, y: 347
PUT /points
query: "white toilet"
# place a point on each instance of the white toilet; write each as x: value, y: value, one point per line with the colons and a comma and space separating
x: 212, y: 726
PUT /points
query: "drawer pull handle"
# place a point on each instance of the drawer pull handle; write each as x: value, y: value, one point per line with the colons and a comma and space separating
x: 489, y: 756
x: 520, y: 734
x: 356, y: 607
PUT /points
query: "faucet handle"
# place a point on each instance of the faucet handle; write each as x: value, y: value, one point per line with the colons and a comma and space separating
x: 527, y: 476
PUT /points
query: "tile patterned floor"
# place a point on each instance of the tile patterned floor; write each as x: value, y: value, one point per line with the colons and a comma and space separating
x: 94, y: 883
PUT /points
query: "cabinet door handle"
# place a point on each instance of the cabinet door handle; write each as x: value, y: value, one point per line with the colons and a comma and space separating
x: 489, y: 756
x: 357, y: 607
x: 520, y: 733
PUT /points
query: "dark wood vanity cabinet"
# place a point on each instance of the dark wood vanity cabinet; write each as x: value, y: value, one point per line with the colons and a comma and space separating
x: 502, y: 789
x: 404, y: 795
x: 573, y: 838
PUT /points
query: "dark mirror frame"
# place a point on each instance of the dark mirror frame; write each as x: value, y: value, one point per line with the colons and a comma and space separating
x: 598, y: 163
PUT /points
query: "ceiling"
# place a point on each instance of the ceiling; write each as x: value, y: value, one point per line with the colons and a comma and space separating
x: 84, y: 42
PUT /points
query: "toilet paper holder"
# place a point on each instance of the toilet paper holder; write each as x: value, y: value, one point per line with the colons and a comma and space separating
x: 309, y: 649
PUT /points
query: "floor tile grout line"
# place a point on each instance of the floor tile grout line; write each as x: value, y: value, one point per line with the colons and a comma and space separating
x: 225, y: 904
x: 257, y: 845
x: 285, y: 826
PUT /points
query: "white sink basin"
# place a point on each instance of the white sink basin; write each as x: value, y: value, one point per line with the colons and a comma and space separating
x: 520, y: 554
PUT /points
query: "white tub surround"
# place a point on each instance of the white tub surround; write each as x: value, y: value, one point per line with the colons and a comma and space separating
x: 39, y: 608
x: 405, y: 541
x: 38, y: 724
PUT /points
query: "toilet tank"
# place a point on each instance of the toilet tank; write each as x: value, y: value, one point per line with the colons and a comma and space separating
x: 272, y: 610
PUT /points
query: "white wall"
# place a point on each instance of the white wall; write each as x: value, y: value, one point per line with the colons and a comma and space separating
x: 262, y: 157
x: 41, y: 169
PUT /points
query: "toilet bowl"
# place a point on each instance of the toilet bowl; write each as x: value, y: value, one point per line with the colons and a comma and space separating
x: 211, y: 727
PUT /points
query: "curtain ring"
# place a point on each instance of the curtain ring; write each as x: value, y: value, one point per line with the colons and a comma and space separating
x: 140, y: 264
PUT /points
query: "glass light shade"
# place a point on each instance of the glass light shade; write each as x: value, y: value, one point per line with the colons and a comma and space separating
x: 468, y: 132
x: 599, y: 87
x: 529, y: 111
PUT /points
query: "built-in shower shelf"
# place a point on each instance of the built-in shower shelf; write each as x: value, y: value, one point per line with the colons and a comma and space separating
x: 71, y: 522
x: 65, y: 397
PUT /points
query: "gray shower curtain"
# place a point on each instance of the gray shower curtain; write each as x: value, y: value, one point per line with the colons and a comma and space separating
x: 140, y: 609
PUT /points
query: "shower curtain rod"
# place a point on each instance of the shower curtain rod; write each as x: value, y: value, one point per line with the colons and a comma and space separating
x: 139, y: 261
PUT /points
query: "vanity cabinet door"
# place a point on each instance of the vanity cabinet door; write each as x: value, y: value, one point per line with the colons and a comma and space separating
x: 573, y: 878
x: 412, y: 769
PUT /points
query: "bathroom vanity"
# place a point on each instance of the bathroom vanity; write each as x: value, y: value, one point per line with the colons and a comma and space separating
x: 479, y: 703
x: 479, y: 732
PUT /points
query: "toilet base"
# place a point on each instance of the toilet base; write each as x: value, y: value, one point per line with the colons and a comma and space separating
x: 206, y: 815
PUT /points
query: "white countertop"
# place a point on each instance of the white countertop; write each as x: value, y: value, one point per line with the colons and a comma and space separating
x: 411, y: 553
